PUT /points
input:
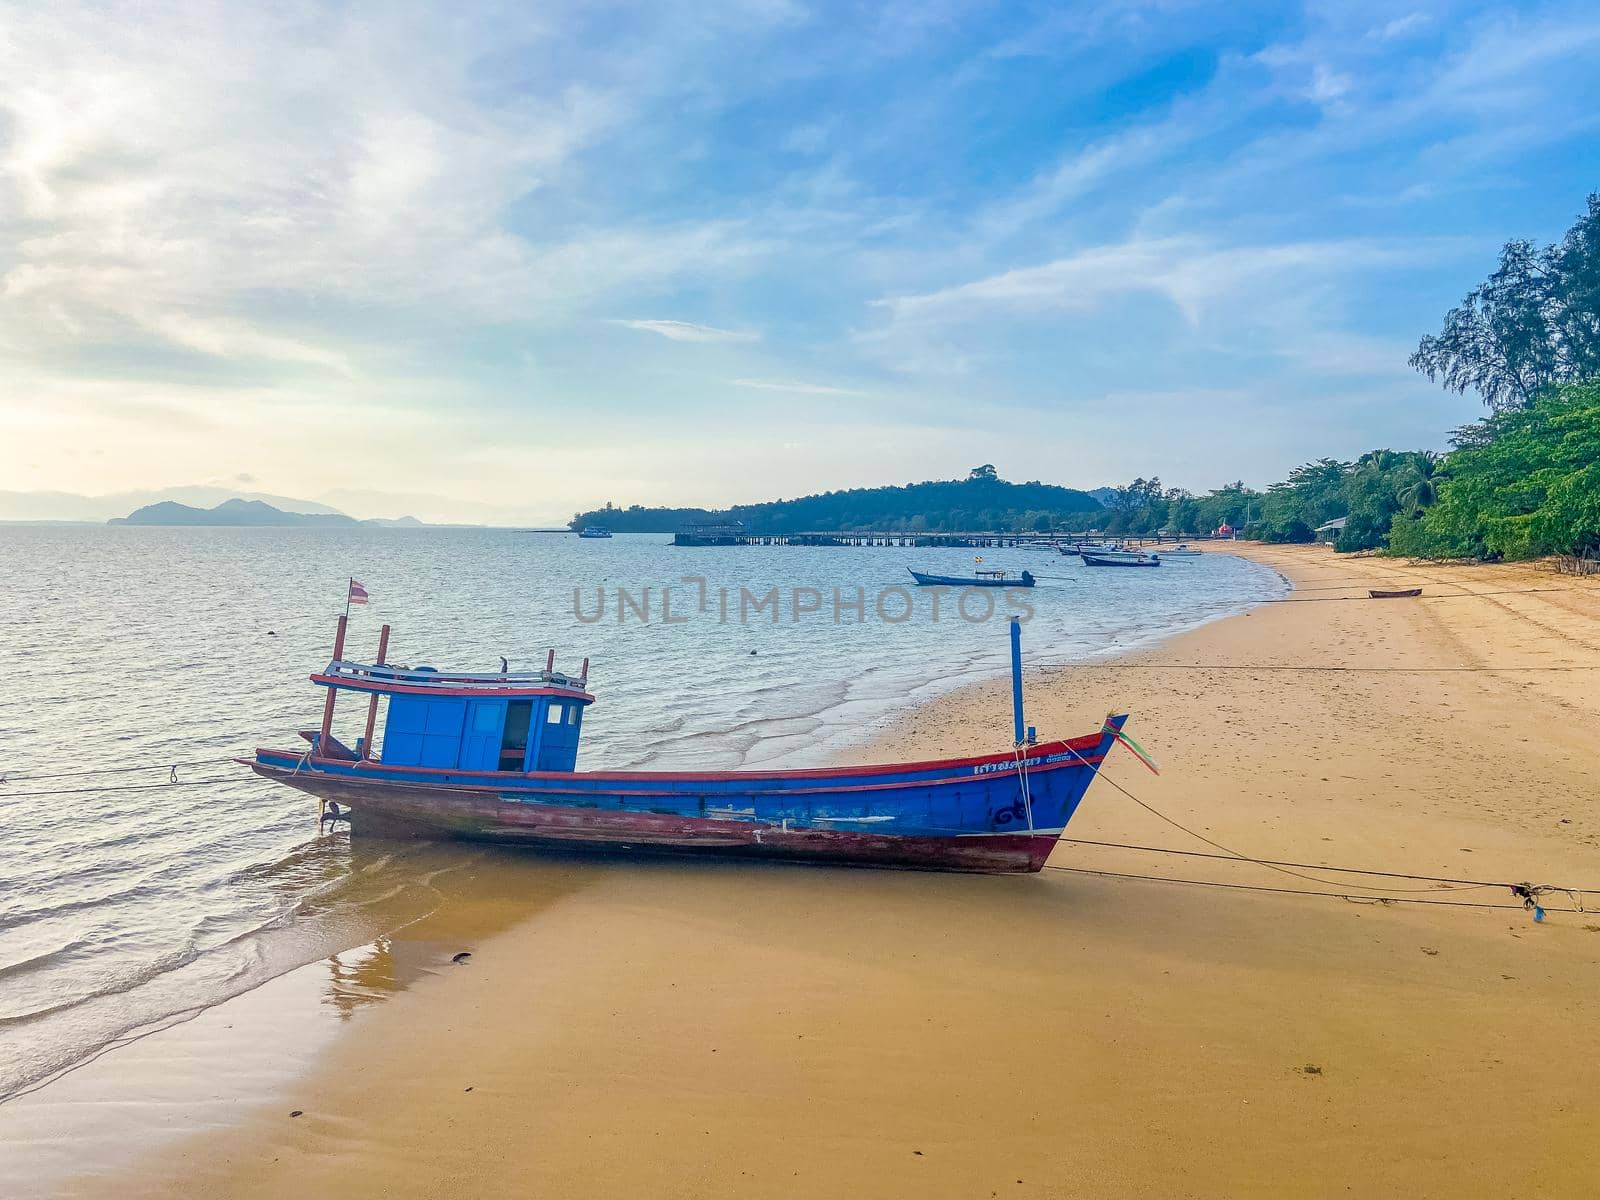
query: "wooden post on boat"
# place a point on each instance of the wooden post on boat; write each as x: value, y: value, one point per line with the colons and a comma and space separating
x: 1016, y: 681
x: 327, y: 705
x: 372, y: 703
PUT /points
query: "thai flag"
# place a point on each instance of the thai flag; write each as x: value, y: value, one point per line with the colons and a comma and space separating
x: 358, y: 592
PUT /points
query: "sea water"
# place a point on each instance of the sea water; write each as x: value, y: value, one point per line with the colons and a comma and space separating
x: 127, y: 902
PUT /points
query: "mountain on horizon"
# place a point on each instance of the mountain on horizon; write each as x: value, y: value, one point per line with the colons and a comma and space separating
x: 237, y: 513
x: 72, y: 506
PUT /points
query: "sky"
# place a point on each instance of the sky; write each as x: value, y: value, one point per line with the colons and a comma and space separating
x: 501, y: 262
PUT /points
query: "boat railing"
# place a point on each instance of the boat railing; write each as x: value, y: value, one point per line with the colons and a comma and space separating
x: 344, y: 669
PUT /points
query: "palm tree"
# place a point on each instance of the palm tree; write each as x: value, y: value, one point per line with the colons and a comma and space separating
x: 1416, y: 484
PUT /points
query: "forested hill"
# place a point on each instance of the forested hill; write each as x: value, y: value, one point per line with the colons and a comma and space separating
x: 981, y: 501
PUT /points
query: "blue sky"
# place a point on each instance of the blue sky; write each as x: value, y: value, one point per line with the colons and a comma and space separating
x: 503, y: 261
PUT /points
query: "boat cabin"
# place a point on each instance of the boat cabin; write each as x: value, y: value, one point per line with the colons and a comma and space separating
x: 507, y: 721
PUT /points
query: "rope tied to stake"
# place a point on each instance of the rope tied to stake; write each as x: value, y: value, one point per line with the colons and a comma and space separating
x: 1529, y: 893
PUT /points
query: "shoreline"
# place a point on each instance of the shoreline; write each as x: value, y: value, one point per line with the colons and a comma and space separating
x: 709, y: 1029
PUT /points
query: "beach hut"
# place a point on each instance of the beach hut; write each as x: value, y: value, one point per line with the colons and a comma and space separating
x: 1329, y: 531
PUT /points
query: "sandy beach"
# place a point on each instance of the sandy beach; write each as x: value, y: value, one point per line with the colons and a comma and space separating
x: 705, y: 1030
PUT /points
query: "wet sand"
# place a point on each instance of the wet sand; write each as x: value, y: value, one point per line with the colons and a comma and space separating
x: 667, y: 1029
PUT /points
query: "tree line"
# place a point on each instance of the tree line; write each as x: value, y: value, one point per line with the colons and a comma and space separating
x: 981, y: 501
x: 1522, y: 482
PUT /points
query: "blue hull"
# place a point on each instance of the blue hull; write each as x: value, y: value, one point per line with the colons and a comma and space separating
x: 974, y: 814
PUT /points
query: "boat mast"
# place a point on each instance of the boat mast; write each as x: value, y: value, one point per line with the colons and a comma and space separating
x: 1016, y: 681
x: 338, y: 655
x: 372, y: 703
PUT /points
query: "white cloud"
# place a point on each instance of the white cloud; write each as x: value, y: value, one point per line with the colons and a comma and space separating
x: 783, y: 385
x: 687, y: 331
x: 1327, y: 84
x: 1079, y: 173
x: 190, y: 175
x: 1191, y: 273
x: 1401, y: 26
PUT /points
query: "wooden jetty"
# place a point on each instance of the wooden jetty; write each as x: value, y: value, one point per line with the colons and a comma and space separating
x: 738, y: 535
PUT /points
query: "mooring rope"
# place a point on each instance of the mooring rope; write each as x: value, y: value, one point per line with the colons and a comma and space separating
x: 1258, y: 887
x: 1022, y: 778
x: 1527, y: 891
x: 1463, y: 883
x: 1442, y: 596
x: 8, y: 777
x: 126, y: 787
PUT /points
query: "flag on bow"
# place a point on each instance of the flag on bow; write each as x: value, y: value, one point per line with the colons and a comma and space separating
x: 358, y: 592
x: 1139, y: 751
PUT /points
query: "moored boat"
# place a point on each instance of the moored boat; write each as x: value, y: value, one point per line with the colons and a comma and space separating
x: 493, y: 757
x: 1180, y: 551
x: 977, y: 579
x: 594, y: 531
x: 1398, y: 594
x: 1120, y: 558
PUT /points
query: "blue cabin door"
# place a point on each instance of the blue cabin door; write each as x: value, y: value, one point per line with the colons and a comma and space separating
x: 480, y: 742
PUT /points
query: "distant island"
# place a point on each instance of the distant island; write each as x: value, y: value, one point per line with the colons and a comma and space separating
x: 980, y: 501
x: 246, y: 513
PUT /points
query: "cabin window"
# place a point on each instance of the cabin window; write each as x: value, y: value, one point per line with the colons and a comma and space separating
x: 553, y: 715
x: 572, y: 714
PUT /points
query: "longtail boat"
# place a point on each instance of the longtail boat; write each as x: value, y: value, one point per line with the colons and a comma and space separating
x: 1119, y: 558
x: 976, y: 579
x: 1399, y: 594
x: 493, y: 757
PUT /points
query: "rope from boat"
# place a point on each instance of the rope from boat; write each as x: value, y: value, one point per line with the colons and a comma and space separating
x: 1274, y: 865
x: 126, y: 787
x: 1464, y: 883
x: 1022, y: 779
x: 1442, y: 596
x: 1258, y: 887
x: 7, y: 777
x: 1144, y: 666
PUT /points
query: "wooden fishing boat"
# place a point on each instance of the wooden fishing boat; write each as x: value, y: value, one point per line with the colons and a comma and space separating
x: 493, y: 757
x: 1401, y: 594
x: 1120, y: 558
x: 976, y: 579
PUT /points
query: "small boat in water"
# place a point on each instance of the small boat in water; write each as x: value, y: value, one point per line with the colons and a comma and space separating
x: 1180, y: 551
x: 594, y: 531
x: 977, y: 579
x: 1402, y: 594
x: 493, y: 757
x: 1120, y: 558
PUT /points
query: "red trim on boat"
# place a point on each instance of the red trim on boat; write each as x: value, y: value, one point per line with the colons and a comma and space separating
x: 754, y: 779
x: 1035, y: 753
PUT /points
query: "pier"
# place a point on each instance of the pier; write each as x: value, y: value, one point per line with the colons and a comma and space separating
x: 731, y: 535
x: 738, y: 535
